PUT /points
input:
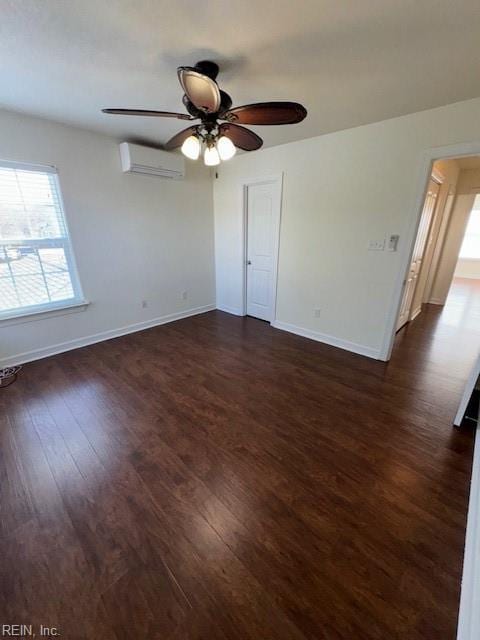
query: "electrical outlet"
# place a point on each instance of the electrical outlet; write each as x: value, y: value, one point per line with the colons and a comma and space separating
x: 316, y: 313
x: 184, y: 295
x: 144, y: 304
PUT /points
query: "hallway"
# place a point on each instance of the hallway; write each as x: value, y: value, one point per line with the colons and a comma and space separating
x: 447, y: 342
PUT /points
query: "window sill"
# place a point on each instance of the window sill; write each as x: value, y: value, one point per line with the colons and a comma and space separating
x: 41, y: 314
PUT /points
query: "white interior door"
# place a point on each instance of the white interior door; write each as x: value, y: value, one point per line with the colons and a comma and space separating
x: 263, y: 219
x: 418, y: 251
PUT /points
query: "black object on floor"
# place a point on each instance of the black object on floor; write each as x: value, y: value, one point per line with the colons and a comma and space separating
x: 473, y: 407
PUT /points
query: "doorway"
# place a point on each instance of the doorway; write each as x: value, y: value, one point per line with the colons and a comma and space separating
x: 412, y: 282
x: 447, y: 245
x: 442, y: 319
x: 262, y: 203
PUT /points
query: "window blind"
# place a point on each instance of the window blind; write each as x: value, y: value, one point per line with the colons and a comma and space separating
x: 37, y: 269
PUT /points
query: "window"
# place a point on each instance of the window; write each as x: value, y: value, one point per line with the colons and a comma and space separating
x: 471, y: 240
x: 37, y: 270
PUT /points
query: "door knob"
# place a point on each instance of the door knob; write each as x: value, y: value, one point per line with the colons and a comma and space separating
x: 249, y: 262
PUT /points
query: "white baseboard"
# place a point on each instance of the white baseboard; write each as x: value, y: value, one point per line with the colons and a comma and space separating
x: 44, y: 352
x: 469, y: 614
x: 417, y: 312
x: 436, y: 301
x: 233, y: 310
x: 327, y: 339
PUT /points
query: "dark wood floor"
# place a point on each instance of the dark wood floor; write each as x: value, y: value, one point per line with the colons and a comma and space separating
x: 218, y: 479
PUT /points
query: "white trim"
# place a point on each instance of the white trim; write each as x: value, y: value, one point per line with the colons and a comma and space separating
x: 426, y: 160
x: 437, y: 176
x: 65, y: 241
x: 68, y: 247
x: 439, y: 241
x: 45, y: 352
x: 41, y: 314
x: 236, y: 311
x: 416, y: 313
x: 327, y: 339
x: 439, y: 301
x: 28, y: 166
x: 467, y: 392
x: 276, y: 179
x: 469, y: 614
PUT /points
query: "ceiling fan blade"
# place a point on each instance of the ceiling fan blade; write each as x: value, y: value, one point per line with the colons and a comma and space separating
x: 201, y: 90
x: 179, y: 138
x: 241, y: 137
x: 145, y: 112
x: 267, y: 113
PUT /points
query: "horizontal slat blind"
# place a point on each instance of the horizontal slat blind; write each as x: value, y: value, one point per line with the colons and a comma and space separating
x: 36, y: 262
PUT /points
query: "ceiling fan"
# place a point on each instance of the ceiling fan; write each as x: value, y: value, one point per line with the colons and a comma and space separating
x: 204, y: 101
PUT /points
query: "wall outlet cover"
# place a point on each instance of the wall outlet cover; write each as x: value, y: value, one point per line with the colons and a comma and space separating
x: 393, y: 242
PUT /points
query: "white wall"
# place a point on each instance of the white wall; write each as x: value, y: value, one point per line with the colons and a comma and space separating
x: 340, y: 191
x: 453, y: 241
x: 467, y: 268
x: 135, y: 237
x: 467, y: 188
x: 139, y: 238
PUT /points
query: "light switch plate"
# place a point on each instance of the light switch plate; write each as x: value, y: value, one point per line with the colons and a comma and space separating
x: 393, y: 243
x: 376, y: 245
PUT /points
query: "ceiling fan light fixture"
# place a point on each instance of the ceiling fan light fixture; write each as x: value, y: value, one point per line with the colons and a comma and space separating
x: 205, y: 101
x: 226, y: 148
x: 211, y: 157
x: 191, y: 147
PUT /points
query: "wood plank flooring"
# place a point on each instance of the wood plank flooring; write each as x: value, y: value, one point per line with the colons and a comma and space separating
x: 218, y: 479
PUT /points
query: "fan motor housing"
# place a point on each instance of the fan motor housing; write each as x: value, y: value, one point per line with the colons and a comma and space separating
x: 207, y: 68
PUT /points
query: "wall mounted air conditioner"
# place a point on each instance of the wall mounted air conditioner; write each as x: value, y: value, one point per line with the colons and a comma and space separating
x: 153, y: 162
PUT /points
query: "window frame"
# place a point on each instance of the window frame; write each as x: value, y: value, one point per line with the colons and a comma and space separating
x: 78, y: 301
x: 476, y: 209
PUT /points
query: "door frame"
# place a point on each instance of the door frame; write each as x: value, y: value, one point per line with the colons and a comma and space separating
x: 438, y: 179
x: 276, y: 179
x: 425, y: 165
x: 439, y: 240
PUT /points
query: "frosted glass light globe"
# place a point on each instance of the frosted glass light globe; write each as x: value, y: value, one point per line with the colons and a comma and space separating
x: 226, y: 148
x: 191, y: 147
x: 211, y: 157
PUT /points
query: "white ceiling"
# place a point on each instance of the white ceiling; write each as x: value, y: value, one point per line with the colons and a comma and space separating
x: 348, y: 62
x: 472, y: 162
